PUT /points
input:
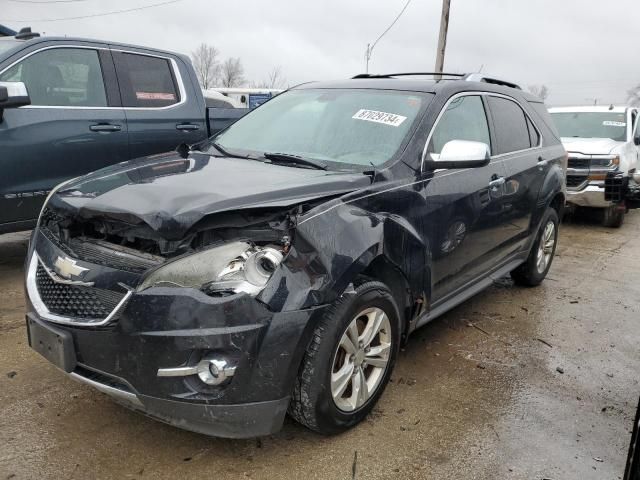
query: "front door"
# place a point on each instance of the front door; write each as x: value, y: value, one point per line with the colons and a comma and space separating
x: 464, y: 205
x: 70, y: 128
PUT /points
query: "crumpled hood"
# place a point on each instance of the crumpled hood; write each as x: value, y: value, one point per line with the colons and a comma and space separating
x: 171, y: 194
x: 591, y: 146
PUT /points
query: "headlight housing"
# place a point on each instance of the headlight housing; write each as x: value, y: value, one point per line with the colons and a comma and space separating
x: 231, y: 268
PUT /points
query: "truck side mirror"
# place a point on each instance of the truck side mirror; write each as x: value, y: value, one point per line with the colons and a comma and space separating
x: 13, y: 95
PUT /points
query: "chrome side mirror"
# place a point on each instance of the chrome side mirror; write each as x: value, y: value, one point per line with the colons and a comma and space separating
x: 13, y: 95
x: 463, y: 154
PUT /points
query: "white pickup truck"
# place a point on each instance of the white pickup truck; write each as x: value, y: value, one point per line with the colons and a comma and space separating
x: 602, y: 143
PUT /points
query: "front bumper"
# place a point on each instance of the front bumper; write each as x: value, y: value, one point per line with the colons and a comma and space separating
x: 591, y: 196
x: 161, y: 328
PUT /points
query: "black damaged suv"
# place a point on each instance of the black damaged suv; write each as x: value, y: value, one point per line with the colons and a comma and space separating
x: 278, y: 266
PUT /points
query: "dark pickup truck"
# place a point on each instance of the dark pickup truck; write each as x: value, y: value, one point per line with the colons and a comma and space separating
x: 70, y: 106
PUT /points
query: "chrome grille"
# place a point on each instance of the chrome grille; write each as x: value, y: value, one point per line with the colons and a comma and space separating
x: 574, y: 181
x: 579, y: 163
x: 73, y: 300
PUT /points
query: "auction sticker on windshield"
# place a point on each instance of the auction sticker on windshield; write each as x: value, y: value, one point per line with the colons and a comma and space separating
x: 380, y: 117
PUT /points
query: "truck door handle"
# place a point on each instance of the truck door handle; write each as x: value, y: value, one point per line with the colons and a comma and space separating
x: 497, y: 182
x: 187, y: 127
x: 105, y: 127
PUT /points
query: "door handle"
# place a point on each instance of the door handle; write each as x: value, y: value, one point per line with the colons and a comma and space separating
x: 105, y: 127
x: 498, y: 182
x: 187, y: 127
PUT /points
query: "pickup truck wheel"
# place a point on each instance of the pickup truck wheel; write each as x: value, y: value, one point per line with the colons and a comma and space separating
x: 613, y: 216
x: 349, y: 361
x: 532, y: 272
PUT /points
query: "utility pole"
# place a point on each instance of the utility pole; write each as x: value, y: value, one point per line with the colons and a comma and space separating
x: 442, y: 39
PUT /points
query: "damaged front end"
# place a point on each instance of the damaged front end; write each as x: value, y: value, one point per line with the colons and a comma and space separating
x: 183, y: 329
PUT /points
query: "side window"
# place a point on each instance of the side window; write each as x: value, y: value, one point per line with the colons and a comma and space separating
x: 534, y: 136
x: 510, y: 122
x: 464, y: 119
x: 146, y: 81
x: 61, y: 77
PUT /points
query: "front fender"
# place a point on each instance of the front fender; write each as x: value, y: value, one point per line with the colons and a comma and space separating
x: 331, y: 248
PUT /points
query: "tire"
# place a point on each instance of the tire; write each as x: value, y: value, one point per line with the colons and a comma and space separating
x: 314, y: 403
x: 532, y: 272
x: 613, y: 216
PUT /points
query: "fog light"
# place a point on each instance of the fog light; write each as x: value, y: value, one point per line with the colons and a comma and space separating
x: 215, y: 372
x: 212, y: 371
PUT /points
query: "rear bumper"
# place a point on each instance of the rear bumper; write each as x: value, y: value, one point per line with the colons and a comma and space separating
x: 591, y: 196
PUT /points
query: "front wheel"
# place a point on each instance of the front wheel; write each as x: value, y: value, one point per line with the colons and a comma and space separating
x: 613, y: 216
x: 349, y: 360
x: 534, y: 270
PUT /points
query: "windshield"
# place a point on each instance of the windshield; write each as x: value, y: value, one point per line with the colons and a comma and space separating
x: 351, y: 127
x: 592, y: 125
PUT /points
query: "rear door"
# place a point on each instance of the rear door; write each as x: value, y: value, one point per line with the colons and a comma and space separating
x: 74, y: 125
x: 162, y: 106
x: 518, y: 144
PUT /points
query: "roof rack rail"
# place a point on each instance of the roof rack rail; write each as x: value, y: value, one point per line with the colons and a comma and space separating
x: 407, y: 74
x: 479, y: 77
x: 26, y: 34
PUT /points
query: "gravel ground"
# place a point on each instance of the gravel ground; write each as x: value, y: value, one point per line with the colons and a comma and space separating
x: 514, y: 384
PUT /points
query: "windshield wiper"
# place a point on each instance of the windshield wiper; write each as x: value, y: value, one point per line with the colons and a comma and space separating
x: 226, y: 153
x: 293, y: 159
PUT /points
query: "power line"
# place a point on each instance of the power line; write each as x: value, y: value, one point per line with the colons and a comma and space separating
x: 371, y: 47
x: 114, y: 12
x: 46, y: 1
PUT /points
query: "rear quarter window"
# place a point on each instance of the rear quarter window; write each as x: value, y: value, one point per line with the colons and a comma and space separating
x: 145, y: 81
x: 545, y: 116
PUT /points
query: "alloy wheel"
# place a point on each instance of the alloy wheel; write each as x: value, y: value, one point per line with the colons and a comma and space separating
x: 545, y: 249
x: 361, y: 359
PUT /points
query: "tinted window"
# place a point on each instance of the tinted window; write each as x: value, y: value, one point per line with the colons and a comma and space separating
x: 464, y: 119
x: 510, y: 125
x: 534, y: 136
x: 544, y: 115
x: 145, y: 81
x: 62, y: 77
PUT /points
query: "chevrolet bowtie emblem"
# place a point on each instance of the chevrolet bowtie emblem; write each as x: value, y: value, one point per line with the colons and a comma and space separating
x: 67, y: 268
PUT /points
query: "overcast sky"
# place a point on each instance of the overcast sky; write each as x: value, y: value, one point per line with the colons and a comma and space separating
x: 581, y: 49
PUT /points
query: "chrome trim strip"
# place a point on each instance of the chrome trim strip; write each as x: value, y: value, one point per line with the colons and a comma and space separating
x: 116, y: 393
x: 43, y: 311
x: 174, y: 65
x: 481, y: 94
x: 178, y: 371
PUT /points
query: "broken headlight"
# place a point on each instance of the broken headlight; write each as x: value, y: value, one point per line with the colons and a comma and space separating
x: 232, y: 268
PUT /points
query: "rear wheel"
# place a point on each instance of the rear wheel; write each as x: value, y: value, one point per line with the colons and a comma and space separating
x: 613, y: 216
x: 534, y: 270
x: 349, y: 360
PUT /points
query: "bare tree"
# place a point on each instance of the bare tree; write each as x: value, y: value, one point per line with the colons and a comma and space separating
x: 232, y: 73
x: 633, y: 96
x: 275, y: 79
x: 540, y: 91
x: 206, y: 64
